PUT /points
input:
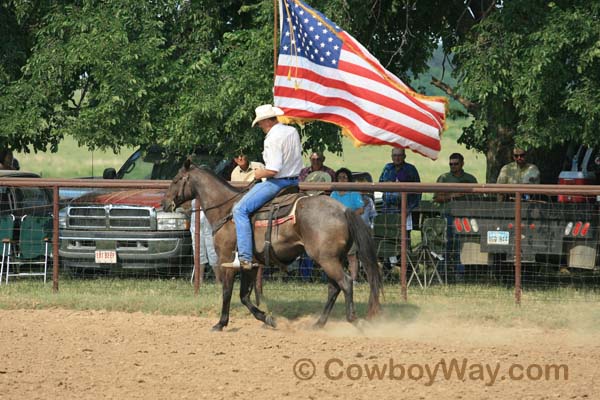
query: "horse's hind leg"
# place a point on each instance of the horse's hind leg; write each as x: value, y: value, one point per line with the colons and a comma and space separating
x: 227, y: 275
x: 343, y: 282
x: 346, y: 285
x: 332, y: 294
x: 247, y: 283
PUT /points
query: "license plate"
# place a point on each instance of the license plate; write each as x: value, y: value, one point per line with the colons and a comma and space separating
x: 497, y: 237
x: 106, y: 256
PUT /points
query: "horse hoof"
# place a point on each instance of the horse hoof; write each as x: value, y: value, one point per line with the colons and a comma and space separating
x: 318, y: 325
x: 269, y: 320
x: 217, y: 328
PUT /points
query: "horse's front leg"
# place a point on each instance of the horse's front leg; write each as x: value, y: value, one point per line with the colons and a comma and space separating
x: 246, y: 285
x: 228, y: 275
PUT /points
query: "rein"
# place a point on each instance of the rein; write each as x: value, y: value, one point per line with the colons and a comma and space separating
x: 219, y: 224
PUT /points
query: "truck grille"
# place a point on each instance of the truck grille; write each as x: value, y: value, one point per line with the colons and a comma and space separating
x: 111, y: 217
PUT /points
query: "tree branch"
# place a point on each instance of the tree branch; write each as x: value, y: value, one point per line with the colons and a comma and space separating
x: 469, y: 105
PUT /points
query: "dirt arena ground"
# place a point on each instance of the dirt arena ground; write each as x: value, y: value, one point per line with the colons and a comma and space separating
x: 61, y: 354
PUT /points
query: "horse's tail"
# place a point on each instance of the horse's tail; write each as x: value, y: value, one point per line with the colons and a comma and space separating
x: 365, y: 244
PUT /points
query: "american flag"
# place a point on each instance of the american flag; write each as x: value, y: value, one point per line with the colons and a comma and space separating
x: 324, y: 74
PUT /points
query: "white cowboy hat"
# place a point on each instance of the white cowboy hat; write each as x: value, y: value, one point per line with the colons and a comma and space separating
x: 266, y: 111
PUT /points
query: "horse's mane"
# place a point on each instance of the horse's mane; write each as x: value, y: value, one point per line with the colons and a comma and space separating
x: 208, y: 170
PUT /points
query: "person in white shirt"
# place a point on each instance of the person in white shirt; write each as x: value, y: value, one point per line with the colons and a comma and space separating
x: 244, y: 172
x: 208, y: 255
x: 283, y: 162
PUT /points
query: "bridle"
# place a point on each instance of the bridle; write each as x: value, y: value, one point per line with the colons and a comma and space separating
x: 181, y: 192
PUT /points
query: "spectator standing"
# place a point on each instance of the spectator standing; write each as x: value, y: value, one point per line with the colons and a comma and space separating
x: 456, y: 175
x: 353, y: 201
x: 519, y: 171
x: 208, y: 255
x: 400, y: 171
x: 245, y: 170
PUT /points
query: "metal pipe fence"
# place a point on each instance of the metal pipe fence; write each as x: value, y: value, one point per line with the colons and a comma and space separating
x: 539, y: 236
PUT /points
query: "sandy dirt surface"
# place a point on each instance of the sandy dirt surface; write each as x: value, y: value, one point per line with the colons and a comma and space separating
x: 52, y: 354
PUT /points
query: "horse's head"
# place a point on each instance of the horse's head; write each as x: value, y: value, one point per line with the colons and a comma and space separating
x: 180, y: 189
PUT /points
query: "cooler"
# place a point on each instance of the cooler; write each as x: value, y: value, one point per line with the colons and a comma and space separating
x: 576, y: 178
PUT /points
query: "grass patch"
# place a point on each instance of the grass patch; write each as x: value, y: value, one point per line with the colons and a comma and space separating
x: 563, y: 308
x: 73, y: 161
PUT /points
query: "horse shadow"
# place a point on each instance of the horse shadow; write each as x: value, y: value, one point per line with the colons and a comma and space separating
x: 296, y: 309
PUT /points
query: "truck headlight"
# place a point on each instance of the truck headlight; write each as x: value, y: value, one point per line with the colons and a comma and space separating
x: 62, y: 218
x: 172, y: 221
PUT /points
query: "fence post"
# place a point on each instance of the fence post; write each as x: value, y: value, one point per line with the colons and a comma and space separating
x: 518, y: 248
x: 55, y: 240
x: 403, y: 214
x: 197, y: 277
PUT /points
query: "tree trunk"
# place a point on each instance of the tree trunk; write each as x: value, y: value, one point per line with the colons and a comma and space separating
x: 499, y: 142
x: 499, y: 150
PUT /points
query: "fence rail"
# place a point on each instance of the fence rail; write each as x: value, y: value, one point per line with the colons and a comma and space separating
x: 589, y: 194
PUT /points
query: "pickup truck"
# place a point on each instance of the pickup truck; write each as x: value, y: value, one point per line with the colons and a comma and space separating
x: 127, y: 230
x: 561, y: 233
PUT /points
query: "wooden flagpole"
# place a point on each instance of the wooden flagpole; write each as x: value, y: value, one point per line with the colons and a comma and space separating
x: 275, y: 36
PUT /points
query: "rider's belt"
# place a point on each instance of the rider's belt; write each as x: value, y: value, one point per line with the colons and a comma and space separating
x: 289, y: 177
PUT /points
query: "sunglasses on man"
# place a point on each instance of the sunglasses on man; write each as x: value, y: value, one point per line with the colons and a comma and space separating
x: 519, y: 155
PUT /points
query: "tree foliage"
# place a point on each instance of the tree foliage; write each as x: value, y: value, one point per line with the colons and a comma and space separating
x: 533, y: 69
x: 191, y: 72
x: 179, y: 73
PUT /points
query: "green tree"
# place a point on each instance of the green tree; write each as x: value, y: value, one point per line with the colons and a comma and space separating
x: 531, y: 73
x: 172, y: 72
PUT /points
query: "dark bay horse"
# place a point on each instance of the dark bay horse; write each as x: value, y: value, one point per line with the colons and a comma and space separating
x: 322, y: 227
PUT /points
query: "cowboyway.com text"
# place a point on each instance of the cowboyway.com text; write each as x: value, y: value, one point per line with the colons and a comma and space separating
x: 428, y: 373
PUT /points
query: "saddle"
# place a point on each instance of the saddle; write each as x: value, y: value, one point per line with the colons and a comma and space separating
x: 276, y: 212
x: 277, y: 209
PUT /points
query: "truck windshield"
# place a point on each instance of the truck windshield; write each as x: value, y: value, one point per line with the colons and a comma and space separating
x: 154, y: 163
x: 150, y: 164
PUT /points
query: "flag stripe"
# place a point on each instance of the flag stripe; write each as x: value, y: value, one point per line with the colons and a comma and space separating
x: 332, y: 114
x: 371, y: 123
x: 355, y: 84
x: 438, y: 104
x: 375, y: 106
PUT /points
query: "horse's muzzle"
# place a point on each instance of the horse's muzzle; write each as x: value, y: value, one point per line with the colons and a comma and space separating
x: 169, y: 206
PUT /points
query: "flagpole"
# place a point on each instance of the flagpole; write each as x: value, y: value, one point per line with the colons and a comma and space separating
x: 275, y: 34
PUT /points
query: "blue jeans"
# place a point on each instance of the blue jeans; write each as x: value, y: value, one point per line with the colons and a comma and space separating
x: 252, y: 201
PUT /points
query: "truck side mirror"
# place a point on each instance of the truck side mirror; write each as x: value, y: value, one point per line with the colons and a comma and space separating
x: 109, y: 173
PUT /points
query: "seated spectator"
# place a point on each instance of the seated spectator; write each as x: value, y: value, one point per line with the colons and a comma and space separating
x: 353, y: 201
x: 208, y: 255
x: 316, y: 164
x: 244, y: 171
